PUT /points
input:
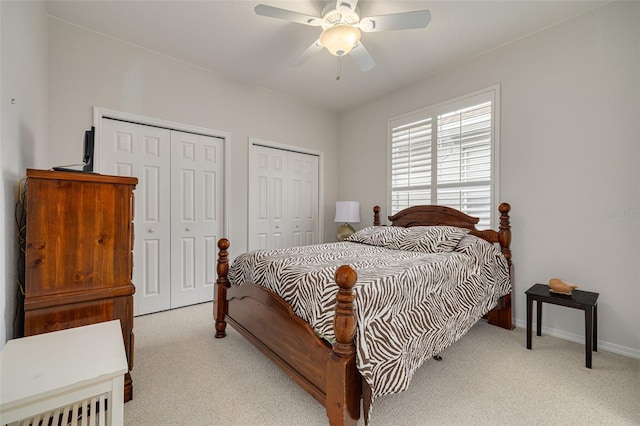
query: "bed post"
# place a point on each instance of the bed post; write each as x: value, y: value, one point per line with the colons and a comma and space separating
x: 344, y: 384
x: 502, y: 316
x: 504, y: 233
x: 376, y: 215
x: 221, y: 306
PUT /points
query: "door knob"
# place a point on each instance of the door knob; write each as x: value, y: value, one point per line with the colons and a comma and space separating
x: 151, y: 230
x: 187, y: 229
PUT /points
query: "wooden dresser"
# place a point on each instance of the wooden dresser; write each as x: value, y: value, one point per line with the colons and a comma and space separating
x: 79, y: 261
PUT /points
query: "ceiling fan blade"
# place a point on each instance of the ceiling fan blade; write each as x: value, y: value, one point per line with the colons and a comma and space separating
x: 287, y: 15
x: 346, y: 6
x: 396, y: 21
x: 308, y: 52
x: 361, y: 56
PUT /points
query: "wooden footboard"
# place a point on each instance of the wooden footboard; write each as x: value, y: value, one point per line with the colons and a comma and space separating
x: 328, y: 373
x: 268, y: 322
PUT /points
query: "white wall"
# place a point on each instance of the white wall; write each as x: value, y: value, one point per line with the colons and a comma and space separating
x: 87, y: 69
x: 23, y: 121
x: 570, y: 149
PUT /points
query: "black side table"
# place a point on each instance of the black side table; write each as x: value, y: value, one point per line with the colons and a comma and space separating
x: 585, y: 300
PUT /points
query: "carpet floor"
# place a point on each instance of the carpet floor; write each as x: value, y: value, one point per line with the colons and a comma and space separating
x: 182, y: 375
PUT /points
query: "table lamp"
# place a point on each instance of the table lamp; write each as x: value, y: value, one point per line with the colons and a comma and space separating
x: 347, y: 211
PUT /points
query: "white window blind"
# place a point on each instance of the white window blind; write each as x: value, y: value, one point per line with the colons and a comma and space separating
x: 445, y: 155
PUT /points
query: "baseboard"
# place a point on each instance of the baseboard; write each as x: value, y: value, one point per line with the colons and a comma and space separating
x: 579, y: 338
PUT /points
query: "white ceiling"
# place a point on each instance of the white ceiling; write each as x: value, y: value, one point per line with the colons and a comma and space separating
x: 228, y: 38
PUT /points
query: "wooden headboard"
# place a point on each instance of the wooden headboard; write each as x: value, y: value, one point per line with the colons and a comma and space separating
x: 446, y: 216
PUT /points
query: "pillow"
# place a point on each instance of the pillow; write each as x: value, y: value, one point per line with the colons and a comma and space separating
x: 430, y: 239
x: 380, y: 236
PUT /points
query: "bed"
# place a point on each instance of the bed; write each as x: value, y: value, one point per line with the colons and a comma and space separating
x: 325, y: 362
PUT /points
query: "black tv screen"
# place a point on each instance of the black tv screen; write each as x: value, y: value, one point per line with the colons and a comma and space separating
x: 87, y: 160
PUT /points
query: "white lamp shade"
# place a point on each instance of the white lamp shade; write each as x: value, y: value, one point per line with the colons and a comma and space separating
x: 347, y: 211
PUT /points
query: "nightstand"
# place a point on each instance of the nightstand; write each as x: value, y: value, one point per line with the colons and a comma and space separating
x: 578, y: 299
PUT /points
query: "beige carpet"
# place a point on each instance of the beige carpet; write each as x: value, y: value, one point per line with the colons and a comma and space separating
x: 184, y: 376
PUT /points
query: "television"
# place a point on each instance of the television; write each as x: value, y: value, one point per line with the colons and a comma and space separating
x: 87, y: 156
x: 87, y: 159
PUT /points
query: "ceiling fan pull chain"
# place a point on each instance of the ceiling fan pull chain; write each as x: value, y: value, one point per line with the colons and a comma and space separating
x: 339, y: 69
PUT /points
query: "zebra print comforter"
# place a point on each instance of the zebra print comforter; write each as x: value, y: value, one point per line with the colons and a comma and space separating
x: 410, y: 305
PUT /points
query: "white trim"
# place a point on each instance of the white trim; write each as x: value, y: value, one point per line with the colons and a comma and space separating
x: 580, y: 338
x: 445, y: 106
x: 100, y: 113
x: 277, y: 145
x: 495, y: 194
x: 270, y: 144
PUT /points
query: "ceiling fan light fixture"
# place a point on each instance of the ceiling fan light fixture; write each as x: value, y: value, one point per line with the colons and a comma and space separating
x: 340, y: 39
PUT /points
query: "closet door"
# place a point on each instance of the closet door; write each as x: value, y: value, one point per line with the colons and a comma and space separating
x: 268, y: 198
x: 130, y: 149
x: 283, y: 198
x: 303, y: 198
x: 178, y: 209
x: 196, y: 211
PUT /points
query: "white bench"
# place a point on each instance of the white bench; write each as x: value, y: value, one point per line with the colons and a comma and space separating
x: 69, y: 377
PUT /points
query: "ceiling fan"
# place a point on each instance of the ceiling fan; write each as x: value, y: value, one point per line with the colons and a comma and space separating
x: 342, y: 26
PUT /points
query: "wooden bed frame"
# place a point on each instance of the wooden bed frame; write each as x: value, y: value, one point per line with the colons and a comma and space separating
x: 329, y: 373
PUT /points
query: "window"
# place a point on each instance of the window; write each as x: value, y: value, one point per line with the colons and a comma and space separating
x: 447, y: 155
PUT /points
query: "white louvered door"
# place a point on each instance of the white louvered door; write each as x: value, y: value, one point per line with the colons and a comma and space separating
x: 130, y: 149
x: 178, y: 209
